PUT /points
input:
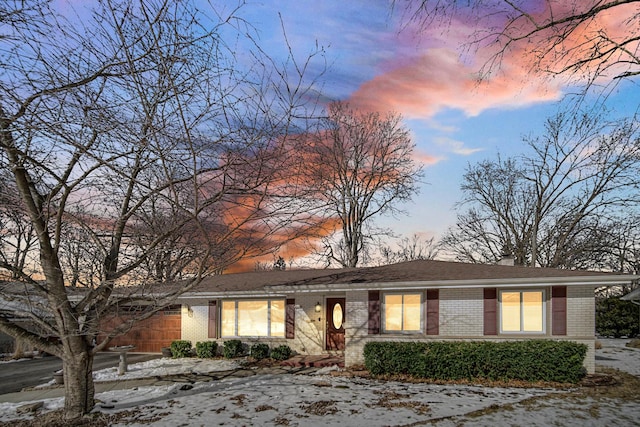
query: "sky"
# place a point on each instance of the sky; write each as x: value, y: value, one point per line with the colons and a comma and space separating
x: 377, y: 60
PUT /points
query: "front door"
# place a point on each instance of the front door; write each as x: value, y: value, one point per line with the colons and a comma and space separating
x: 335, y: 323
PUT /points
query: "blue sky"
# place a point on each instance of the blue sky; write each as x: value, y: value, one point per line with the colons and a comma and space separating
x: 377, y: 60
x: 420, y: 74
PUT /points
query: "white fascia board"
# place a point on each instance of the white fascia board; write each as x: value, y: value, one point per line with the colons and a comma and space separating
x: 596, y: 281
x: 276, y: 291
x: 232, y: 294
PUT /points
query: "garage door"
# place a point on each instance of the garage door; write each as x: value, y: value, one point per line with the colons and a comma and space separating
x: 151, y: 334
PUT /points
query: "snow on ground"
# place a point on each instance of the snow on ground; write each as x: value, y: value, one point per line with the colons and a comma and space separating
x: 614, y: 354
x: 166, y: 366
x: 322, y: 399
x: 161, y: 367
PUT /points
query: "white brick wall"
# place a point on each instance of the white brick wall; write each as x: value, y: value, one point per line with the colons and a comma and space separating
x: 356, y: 326
x: 581, y: 320
x: 195, y: 323
x: 309, y: 336
x: 309, y: 333
x: 461, y: 317
x: 461, y: 312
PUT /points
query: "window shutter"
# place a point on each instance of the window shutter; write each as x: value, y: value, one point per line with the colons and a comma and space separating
x: 213, y: 319
x: 290, y: 319
x: 374, y: 312
x: 490, y: 311
x: 558, y: 310
x: 433, y: 312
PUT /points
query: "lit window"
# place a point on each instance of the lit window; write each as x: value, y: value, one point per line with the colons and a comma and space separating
x: 522, y: 311
x: 277, y: 318
x: 402, y: 312
x: 228, y: 318
x: 253, y: 318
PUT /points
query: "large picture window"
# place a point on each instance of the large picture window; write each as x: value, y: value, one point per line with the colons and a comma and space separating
x: 402, y: 312
x: 253, y: 318
x: 522, y: 311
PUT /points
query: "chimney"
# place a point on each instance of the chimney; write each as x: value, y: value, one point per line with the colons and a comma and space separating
x: 506, y: 258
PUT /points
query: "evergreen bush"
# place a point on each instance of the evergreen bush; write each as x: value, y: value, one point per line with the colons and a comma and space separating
x: 617, y: 318
x: 532, y: 360
x: 180, y: 348
x: 282, y: 352
x: 232, y: 349
x: 206, y: 349
x: 259, y: 351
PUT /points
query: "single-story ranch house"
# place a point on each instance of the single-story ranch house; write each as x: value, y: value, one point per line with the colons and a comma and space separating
x: 339, y: 310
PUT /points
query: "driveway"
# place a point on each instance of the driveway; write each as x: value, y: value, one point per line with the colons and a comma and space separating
x: 23, y: 373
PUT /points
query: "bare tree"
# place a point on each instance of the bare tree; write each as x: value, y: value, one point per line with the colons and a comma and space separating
x: 557, y: 206
x: 137, y: 134
x: 409, y: 249
x: 360, y: 165
x: 582, y: 39
x: 18, y: 241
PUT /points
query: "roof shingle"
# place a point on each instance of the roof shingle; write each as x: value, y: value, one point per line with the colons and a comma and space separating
x: 411, y: 271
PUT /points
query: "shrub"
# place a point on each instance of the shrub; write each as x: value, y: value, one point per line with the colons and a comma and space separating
x: 282, y: 352
x: 180, y: 348
x: 534, y: 360
x: 616, y: 318
x: 259, y: 351
x: 206, y: 349
x: 392, y: 357
x: 232, y: 348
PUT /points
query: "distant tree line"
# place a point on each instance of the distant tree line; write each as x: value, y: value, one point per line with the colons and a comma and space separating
x: 570, y: 201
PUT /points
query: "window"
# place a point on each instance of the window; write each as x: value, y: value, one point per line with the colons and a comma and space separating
x: 253, y: 318
x: 402, y: 312
x: 522, y: 311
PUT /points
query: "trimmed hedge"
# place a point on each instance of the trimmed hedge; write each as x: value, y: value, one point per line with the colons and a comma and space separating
x: 206, y: 349
x: 180, y: 348
x: 532, y: 360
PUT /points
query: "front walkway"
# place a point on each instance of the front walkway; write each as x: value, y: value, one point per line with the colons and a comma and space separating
x: 315, y: 361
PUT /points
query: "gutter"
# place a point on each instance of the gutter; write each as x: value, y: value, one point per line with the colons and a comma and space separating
x: 454, y: 284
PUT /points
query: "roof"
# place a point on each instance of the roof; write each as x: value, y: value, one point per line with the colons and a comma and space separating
x: 422, y: 273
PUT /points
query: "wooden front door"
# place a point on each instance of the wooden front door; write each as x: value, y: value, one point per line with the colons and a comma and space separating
x: 335, y: 323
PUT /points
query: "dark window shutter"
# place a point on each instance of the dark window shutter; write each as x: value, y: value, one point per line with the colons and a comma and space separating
x: 559, y: 310
x: 290, y: 319
x: 433, y: 312
x: 374, y: 312
x: 213, y: 319
x: 490, y: 311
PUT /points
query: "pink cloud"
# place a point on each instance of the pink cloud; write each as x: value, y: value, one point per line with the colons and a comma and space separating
x: 426, y: 159
x: 608, y: 40
x: 444, y: 74
x: 437, y: 80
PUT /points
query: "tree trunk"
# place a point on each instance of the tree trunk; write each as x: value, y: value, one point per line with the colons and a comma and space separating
x: 79, y: 389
